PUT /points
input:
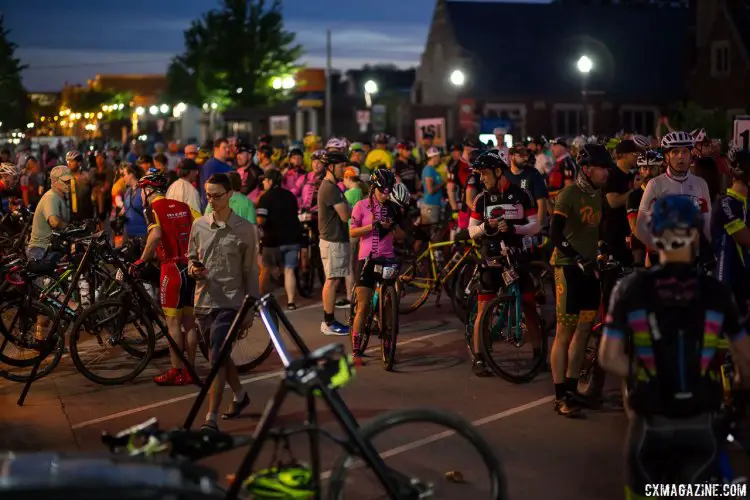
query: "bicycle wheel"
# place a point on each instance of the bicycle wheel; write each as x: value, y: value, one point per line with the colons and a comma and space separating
x: 447, y: 475
x: 252, y: 347
x: 459, y: 296
x: 500, y: 328
x: 388, y: 303
x: 592, y: 376
x: 99, y: 331
x: 414, y: 285
x: 19, y: 349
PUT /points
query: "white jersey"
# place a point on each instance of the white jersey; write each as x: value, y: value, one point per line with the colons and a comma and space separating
x: 691, y: 186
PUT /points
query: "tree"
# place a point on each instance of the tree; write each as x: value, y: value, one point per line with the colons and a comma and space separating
x: 14, y: 102
x: 689, y: 116
x: 242, y: 45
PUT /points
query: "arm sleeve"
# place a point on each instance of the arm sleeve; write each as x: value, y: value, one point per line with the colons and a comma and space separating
x: 631, y: 206
x: 557, y: 228
x: 616, y: 321
x: 644, y: 210
x: 476, y: 228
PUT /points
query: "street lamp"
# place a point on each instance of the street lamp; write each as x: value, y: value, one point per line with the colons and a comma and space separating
x: 288, y: 83
x: 458, y: 78
x: 154, y: 110
x: 239, y: 90
x: 585, y: 64
x: 371, y: 88
x: 139, y: 111
x: 164, y: 108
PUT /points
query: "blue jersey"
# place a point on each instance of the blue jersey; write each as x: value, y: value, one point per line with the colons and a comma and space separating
x: 733, y: 260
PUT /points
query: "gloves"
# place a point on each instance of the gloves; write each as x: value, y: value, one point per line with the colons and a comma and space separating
x: 586, y: 266
x: 136, y: 267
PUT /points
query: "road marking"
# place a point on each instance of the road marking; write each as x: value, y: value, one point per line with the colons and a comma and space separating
x: 246, y: 381
x: 446, y: 434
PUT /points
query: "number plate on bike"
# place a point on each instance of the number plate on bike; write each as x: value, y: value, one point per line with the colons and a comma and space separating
x: 388, y: 272
x: 510, y: 276
x: 119, y: 276
x: 306, y: 217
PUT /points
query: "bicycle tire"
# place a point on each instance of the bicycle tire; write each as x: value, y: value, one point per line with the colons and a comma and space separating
x: 388, y: 305
x: 469, y: 319
x: 56, y: 354
x: 485, y: 341
x: 415, y: 267
x: 76, y: 334
x: 592, y: 376
x: 459, y: 297
x: 461, y: 427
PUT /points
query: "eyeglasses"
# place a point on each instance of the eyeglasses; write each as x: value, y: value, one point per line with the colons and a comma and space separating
x: 215, y: 196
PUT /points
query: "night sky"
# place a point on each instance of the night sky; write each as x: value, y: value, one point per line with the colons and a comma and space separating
x: 73, y: 40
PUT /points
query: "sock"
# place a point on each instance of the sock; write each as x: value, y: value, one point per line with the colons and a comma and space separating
x: 239, y: 396
x: 211, y: 416
x: 328, y: 318
x: 571, y: 384
x: 356, y: 344
x: 560, y: 390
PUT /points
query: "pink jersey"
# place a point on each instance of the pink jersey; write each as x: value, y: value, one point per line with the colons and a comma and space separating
x: 362, y: 216
x: 309, y: 191
x: 293, y: 181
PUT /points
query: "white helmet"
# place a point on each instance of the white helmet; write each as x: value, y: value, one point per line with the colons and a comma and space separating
x: 400, y: 195
x: 677, y: 139
x: 641, y: 141
x: 8, y: 169
x: 699, y: 135
x: 72, y: 155
x: 579, y: 142
x: 337, y: 143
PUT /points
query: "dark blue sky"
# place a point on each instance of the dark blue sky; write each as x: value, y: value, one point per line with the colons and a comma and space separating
x: 73, y: 40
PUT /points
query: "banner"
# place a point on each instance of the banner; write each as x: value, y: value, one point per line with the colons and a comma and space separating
x: 741, y: 135
x: 278, y: 125
x: 435, y: 126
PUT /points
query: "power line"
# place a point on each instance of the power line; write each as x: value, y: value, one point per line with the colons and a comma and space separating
x: 102, y: 63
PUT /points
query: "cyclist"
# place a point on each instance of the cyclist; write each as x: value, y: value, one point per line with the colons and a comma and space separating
x: 704, y: 165
x: 649, y: 163
x: 52, y: 213
x: 730, y: 234
x: 8, y: 185
x: 294, y: 176
x: 563, y: 172
x: 502, y: 213
x: 169, y: 223
x: 676, y: 180
x: 665, y: 333
x: 463, y: 185
x: 374, y: 221
x: 574, y: 231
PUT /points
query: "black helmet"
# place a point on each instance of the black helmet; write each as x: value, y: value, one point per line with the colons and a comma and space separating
x: 383, y: 179
x: 295, y: 151
x: 739, y: 162
x: 274, y: 176
x: 594, y: 155
x: 474, y: 155
x: 492, y: 159
x: 155, y: 181
x: 332, y: 157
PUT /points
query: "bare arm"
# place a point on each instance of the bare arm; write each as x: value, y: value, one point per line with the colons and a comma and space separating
x: 617, y: 200
x: 358, y: 232
x: 56, y: 222
x: 153, y: 240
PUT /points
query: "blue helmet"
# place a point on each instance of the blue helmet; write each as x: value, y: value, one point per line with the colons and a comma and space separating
x: 675, y: 212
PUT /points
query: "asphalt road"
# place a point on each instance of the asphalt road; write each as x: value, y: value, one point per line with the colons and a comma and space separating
x: 544, y: 455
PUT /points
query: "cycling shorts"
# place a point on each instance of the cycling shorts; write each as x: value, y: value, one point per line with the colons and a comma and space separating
x: 491, y: 281
x: 176, y: 290
x: 666, y: 450
x: 367, y: 277
x: 577, y: 296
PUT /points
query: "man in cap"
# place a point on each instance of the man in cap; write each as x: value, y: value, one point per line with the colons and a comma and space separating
x: 616, y: 191
x: 564, y: 172
x: 420, y: 153
x: 52, y: 214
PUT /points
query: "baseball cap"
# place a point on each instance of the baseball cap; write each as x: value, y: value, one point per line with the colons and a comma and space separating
x: 559, y: 141
x: 351, y: 172
x: 60, y: 173
x: 625, y: 147
x: 432, y: 152
x: 191, y: 149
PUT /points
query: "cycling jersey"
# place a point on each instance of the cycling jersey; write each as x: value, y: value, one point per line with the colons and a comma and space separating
x: 377, y: 243
x: 733, y: 260
x: 175, y: 220
x: 460, y: 174
x: 582, y: 212
x: 407, y: 173
x: 564, y: 170
x: 309, y: 195
x: 294, y: 180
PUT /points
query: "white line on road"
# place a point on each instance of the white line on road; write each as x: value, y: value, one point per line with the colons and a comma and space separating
x: 446, y: 434
x: 246, y: 381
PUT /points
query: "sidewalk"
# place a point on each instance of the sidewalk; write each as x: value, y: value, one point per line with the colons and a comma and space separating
x: 41, y: 424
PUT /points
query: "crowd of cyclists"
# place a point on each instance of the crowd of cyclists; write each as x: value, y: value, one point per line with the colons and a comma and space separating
x: 673, y: 208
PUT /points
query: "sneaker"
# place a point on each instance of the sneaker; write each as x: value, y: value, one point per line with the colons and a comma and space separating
x: 334, y: 328
x: 567, y: 407
x: 479, y: 368
x: 343, y: 304
x: 186, y: 378
x: 209, y: 427
x: 173, y: 376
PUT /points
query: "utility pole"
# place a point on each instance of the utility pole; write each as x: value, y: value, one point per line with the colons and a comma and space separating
x: 329, y: 85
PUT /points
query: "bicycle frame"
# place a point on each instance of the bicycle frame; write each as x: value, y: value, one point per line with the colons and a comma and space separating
x: 436, y: 279
x: 269, y: 309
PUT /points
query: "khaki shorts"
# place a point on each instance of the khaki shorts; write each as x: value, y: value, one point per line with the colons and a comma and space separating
x: 430, y: 214
x: 335, y: 257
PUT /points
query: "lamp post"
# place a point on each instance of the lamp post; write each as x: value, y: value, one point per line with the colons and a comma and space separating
x: 584, y: 65
x: 371, y: 88
x: 458, y: 78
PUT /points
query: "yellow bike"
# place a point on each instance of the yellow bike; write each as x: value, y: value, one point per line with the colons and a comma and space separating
x: 433, y: 271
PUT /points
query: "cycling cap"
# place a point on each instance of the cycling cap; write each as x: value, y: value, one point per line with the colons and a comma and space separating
x: 594, y: 155
x: 650, y: 158
x: 677, y: 139
x: 155, y: 181
x: 432, y: 152
x: 383, y: 179
x: 400, y: 195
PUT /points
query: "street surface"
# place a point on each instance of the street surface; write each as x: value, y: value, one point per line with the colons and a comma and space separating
x: 544, y: 455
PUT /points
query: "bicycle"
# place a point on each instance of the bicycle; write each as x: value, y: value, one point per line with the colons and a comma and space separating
x: 311, y: 265
x: 503, y: 321
x: 429, y: 274
x: 382, y: 319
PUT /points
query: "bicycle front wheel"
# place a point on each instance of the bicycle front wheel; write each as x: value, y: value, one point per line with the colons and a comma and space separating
x: 103, y: 334
x: 388, y: 303
x: 505, y: 343
x: 461, y: 465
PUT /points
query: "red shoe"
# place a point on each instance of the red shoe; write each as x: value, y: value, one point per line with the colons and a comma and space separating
x: 173, y: 376
x: 186, y: 378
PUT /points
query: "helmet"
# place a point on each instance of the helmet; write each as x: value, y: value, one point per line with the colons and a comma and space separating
x: 318, y: 154
x: 383, y: 179
x: 295, y: 151
x: 8, y: 169
x: 155, y: 181
x: 381, y: 138
x: 677, y: 213
x: 336, y: 143
x: 641, y: 141
x: 580, y: 141
x: 677, y: 139
x: 400, y: 195
x: 495, y: 158
x: 274, y: 176
x: 474, y: 155
x: 73, y: 155
x: 699, y: 135
x: 332, y: 157
x: 594, y: 155
x: 472, y: 141
x: 739, y: 162
x: 650, y: 158
x: 289, y: 481
x: 356, y: 146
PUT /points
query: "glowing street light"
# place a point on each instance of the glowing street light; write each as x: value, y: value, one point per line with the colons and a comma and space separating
x: 99, y: 115
x: 276, y: 83
x: 154, y: 110
x: 371, y: 87
x: 139, y: 111
x: 164, y: 108
x: 585, y: 64
x: 214, y: 105
x: 288, y: 83
x: 239, y: 90
x: 30, y: 125
x: 458, y: 78
x: 120, y: 106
